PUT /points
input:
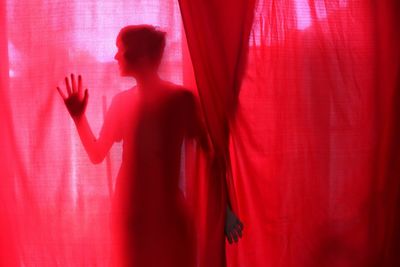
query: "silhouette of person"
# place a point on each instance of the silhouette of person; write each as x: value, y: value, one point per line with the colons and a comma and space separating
x: 150, y: 223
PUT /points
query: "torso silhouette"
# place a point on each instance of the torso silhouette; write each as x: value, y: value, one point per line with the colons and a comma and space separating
x: 150, y: 222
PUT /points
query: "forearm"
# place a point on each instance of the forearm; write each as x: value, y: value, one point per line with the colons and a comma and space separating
x: 90, y: 143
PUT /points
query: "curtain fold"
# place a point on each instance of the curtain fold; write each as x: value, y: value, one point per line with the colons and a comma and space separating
x: 217, y: 35
x: 388, y: 173
x: 8, y: 246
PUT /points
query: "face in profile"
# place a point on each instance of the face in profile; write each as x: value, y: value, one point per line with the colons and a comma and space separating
x: 120, y: 58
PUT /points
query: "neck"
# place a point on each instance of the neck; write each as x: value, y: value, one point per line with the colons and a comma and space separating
x: 147, y: 81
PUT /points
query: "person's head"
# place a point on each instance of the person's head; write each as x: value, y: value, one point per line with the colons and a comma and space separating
x: 140, y: 49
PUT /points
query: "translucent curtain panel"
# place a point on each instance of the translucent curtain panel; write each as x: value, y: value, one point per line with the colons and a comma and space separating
x: 313, y: 146
x: 57, y: 203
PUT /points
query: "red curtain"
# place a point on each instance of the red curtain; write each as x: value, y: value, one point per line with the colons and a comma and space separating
x: 313, y: 144
x: 313, y: 147
x: 8, y: 247
x: 301, y: 98
x: 218, y: 46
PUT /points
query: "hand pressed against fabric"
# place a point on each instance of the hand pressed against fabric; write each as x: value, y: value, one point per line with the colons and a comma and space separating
x: 75, y: 100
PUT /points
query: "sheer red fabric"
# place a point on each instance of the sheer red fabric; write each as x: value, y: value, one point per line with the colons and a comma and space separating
x: 217, y: 36
x: 8, y: 247
x: 312, y: 123
x: 56, y: 203
x: 313, y: 150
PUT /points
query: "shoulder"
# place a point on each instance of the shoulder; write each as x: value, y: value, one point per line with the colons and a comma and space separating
x: 179, y: 95
x: 124, y: 96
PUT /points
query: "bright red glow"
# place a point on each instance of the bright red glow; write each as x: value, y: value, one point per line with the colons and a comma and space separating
x: 298, y: 132
x: 303, y: 14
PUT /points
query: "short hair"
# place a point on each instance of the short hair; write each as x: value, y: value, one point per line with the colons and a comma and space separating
x: 142, y: 40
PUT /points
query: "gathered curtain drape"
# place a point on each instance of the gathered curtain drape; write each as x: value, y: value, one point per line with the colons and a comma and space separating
x: 300, y: 97
x: 217, y: 37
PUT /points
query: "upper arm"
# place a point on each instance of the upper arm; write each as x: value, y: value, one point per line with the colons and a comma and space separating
x: 111, y: 129
x: 195, y: 126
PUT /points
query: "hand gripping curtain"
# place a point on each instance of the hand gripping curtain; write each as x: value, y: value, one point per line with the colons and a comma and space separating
x: 217, y: 35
